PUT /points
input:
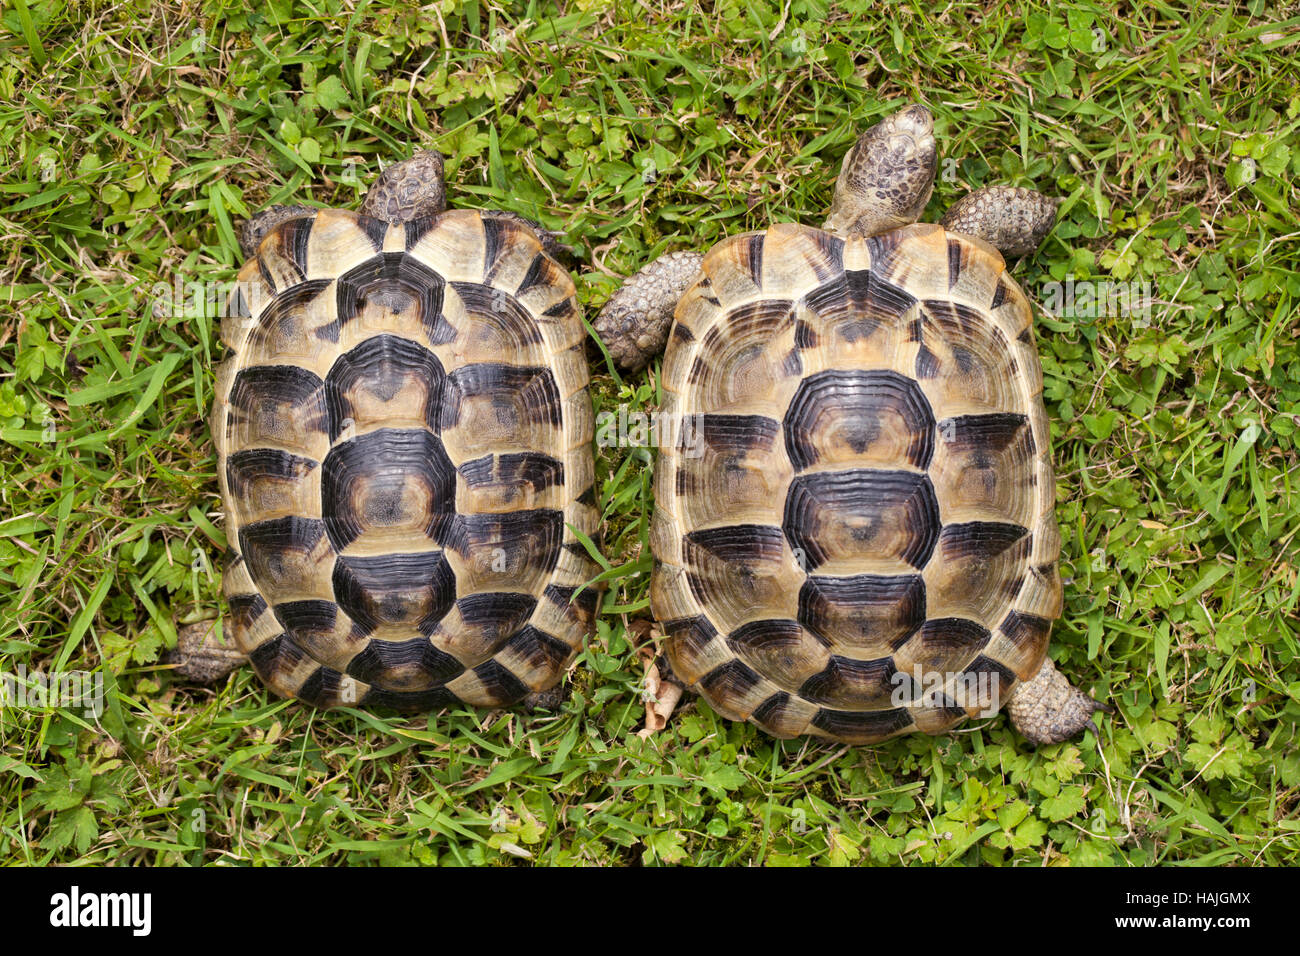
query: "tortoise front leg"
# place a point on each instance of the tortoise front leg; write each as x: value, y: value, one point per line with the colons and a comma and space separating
x: 550, y: 239
x: 252, y: 232
x: 1014, y: 221
x: 634, y: 323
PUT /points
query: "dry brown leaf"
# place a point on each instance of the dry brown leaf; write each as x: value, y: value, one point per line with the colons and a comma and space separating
x: 660, y: 696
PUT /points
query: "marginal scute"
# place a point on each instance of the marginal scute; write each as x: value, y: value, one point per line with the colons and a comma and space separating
x: 859, y: 542
x: 862, y: 726
x: 404, y: 431
x: 780, y: 650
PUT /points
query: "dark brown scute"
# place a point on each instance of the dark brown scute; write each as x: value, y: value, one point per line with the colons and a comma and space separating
x: 888, y: 513
x: 862, y: 608
x: 849, y: 683
x: 395, y: 589
x: 394, y: 280
x: 857, y: 407
x: 372, y: 481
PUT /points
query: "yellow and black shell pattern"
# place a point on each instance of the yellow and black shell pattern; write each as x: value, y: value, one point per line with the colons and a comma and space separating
x: 854, y: 533
x: 403, y: 429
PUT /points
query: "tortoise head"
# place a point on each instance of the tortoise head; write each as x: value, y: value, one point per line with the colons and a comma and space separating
x: 408, y: 190
x: 887, y: 176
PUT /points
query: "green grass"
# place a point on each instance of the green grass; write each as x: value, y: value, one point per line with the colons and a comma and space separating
x: 135, y: 141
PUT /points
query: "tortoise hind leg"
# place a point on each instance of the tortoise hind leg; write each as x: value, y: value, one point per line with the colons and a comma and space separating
x: 551, y: 699
x: 1047, y: 709
x: 200, y: 657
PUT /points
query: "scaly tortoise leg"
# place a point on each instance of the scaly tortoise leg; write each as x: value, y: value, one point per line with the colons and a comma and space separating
x: 1047, y: 709
x: 256, y: 228
x: 1014, y: 221
x: 200, y: 657
x: 635, y: 322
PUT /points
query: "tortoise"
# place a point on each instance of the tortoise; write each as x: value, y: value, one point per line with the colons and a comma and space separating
x: 403, y: 432
x: 854, y: 534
